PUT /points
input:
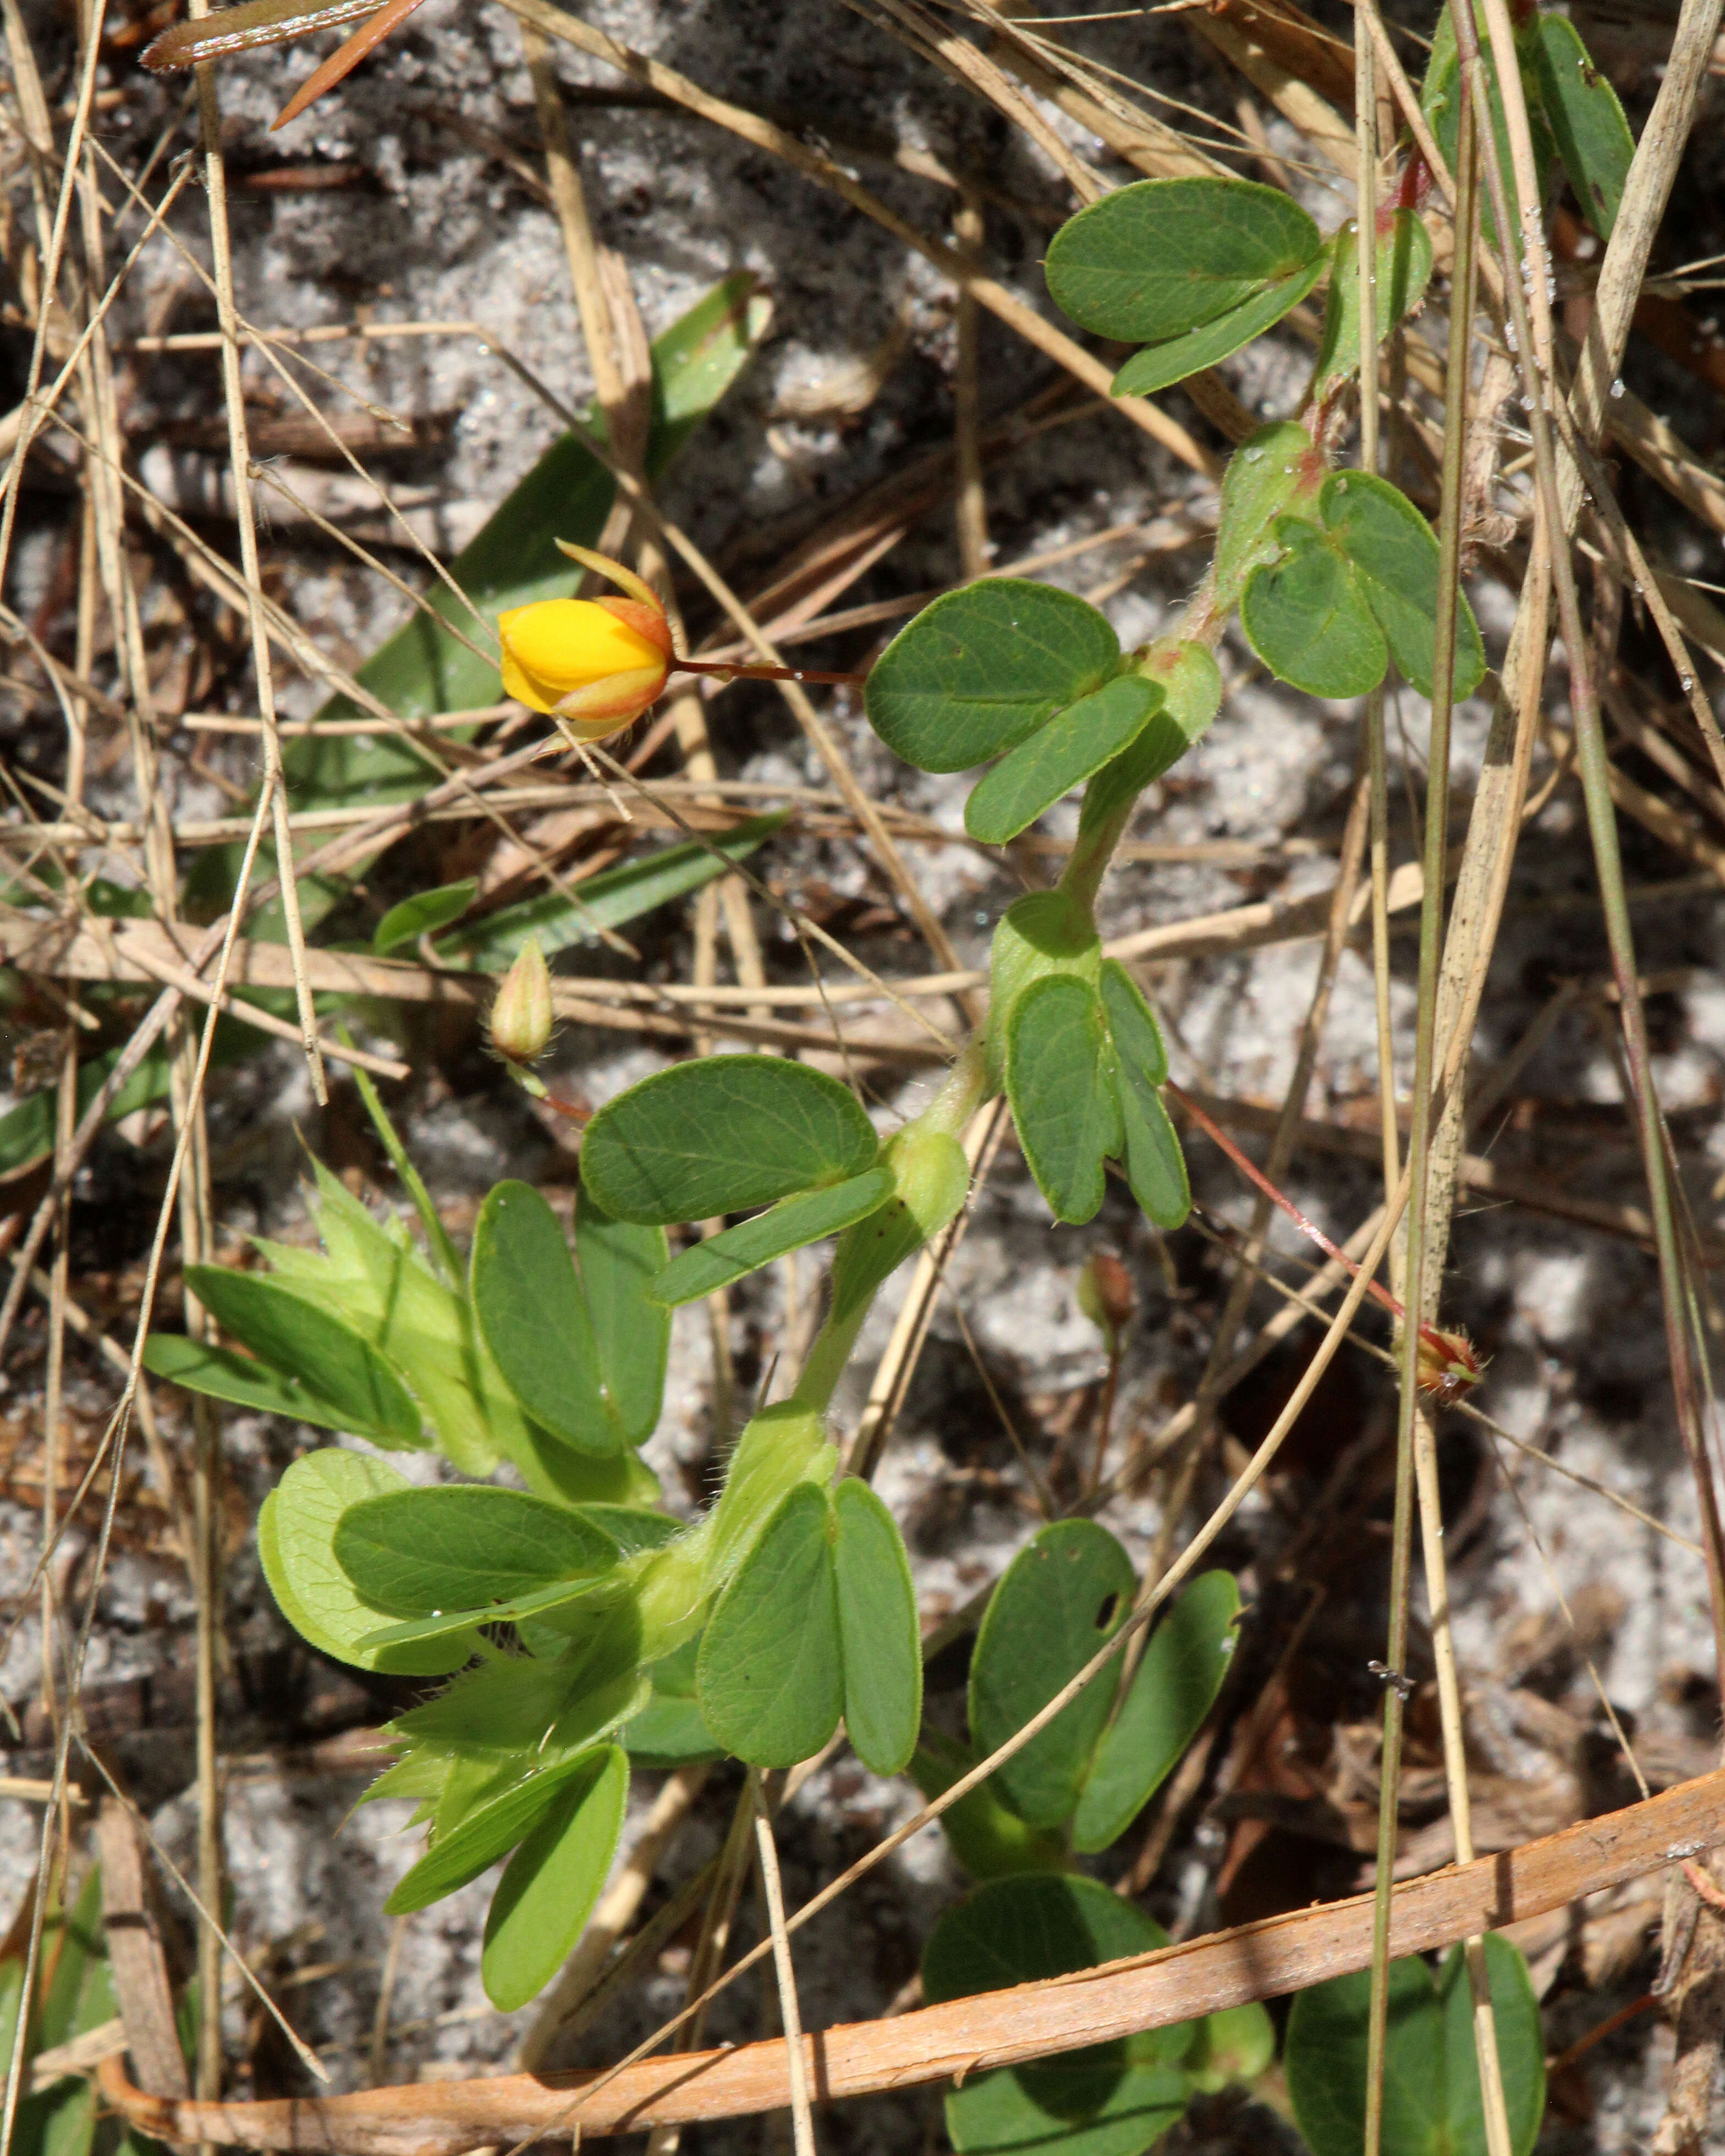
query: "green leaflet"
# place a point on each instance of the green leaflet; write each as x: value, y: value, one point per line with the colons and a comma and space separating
x: 979, y: 670
x: 723, y: 1134
x: 1173, y: 1689
x: 538, y: 1318
x: 879, y: 1640
x: 770, y: 1679
x: 550, y: 1884
x: 1158, y: 365
x: 296, y: 1531
x: 1308, y: 620
x: 1060, y: 1082
x: 1395, y: 556
x: 479, y: 1838
x: 1159, y: 258
x: 789, y: 1225
x: 1059, y: 756
x: 1431, y: 2085
x: 1592, y: 137
x: 415, y: 1552
x: 988, y: 1840
x: 610, y: 900
x: 1404, y: 271
x: 348, y: 1384
x: 424, y: 914
x: 1065, y: 1595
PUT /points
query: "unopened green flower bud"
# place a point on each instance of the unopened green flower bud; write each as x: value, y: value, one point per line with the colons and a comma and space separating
x: 521, y: 1017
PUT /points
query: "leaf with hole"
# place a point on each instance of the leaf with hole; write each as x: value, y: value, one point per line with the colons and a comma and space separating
x: 979, y: 670
x: 1059, y: 756
x: 723, y: 1134
x: 1106, y: 2100
x: 1395, y: 556
x: 1065, y: 1595
x: 880, y: 1639
x: 1059, y: 1082
x: 790, y: 1225
x: 1174, y: 1687
x: 535, y: 1320
x: 770, y: 1680
x: 1157, y: 260
x: 296, y: 1531
x: 550, y: 1884
x: 1592, y: 137
x: 1307, y: 618
x: 1431, y: 2081
x: 358, y: 1389
x: 464, y: 1545
x: 424, y: 914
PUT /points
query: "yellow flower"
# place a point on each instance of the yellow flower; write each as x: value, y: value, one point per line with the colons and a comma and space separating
x: 594, y: 663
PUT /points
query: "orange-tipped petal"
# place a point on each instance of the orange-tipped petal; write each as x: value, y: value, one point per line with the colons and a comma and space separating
x: 608, y: 706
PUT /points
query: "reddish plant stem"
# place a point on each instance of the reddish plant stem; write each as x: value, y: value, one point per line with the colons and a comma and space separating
x: 1449, y: 1347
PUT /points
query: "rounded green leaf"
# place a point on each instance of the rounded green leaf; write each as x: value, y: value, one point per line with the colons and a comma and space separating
x: 979, y: 670
x: 1593, y: 138
x: 358, y: 1390
x: 534, y: 1318
x: 1394, y: 555
x: 296, y: 1531
x: 1154, y: 260
x: 1309, y: 621
x: 1173, y: 1689
x: 414, y: 1553
x: 1176, y: 357
x: 723, y: 1134
x: 770, y: 1677
x: 550, y: 1884
x: 1059, y: 1081
x: 789, y: 1225
x: 1059, y: 756
x: 880, y: 1639
x: 1106, y: 2099
x: 631, y: 1332
x: 1064, y: 1594
x: 1431, y: 2083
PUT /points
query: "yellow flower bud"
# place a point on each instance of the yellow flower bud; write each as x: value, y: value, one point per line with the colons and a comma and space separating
x: 521, y: 1017
x: 598, y: 662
